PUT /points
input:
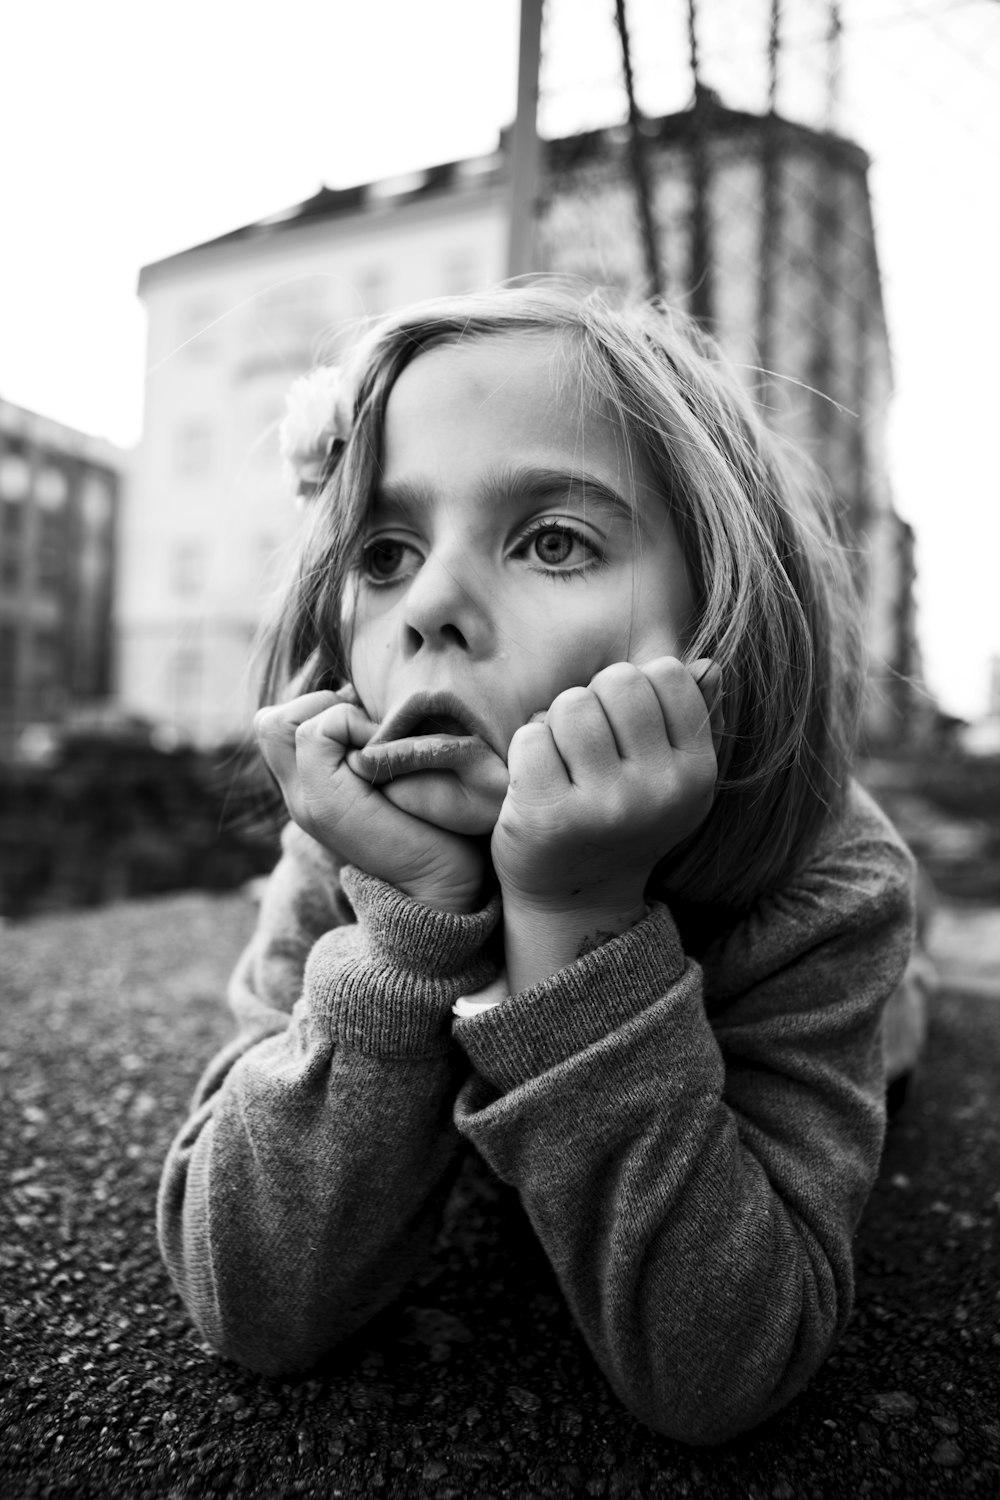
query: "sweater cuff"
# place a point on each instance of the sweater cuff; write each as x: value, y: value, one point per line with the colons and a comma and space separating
x: 543, y: 1026
x: 387, y: 985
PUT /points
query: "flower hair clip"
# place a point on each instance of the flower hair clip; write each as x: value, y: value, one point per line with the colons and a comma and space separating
x: 318, y: 416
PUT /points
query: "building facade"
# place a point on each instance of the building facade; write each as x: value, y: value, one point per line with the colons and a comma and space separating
x: 60, y: 493
x: 231, y: 324
x: 764, y: 233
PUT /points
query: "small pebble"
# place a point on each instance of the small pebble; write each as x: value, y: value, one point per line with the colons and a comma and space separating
x: 525, y: 1400
x: 946, y: 1424
x: 868, y: 1437
x: 895, y: 1403
x: 947, y: 1454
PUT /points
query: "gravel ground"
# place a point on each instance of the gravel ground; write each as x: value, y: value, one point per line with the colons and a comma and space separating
x: 476, y: 1385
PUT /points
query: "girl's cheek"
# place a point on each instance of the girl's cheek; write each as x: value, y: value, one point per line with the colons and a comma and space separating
x: 601, y: 640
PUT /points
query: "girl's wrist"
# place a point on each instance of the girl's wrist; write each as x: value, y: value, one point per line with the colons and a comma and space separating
x: 460, y: 901
x: 539, y: 940
x: 458, y: 891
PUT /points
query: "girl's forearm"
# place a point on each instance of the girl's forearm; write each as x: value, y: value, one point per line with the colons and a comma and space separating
x: 311, y: 1177
x: 288, y: 1214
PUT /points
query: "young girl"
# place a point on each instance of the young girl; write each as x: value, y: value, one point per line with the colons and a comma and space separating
x: 575, y: 875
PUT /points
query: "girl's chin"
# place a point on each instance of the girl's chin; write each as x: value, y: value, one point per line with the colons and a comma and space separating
x: 449, y: 801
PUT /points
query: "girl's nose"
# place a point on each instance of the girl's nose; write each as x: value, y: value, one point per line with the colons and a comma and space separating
x: 447, y: 606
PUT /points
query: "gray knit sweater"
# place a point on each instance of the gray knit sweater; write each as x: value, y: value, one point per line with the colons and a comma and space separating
x: 692, y: 1138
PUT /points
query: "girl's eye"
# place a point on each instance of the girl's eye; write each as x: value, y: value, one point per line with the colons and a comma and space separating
x: 556, y: 547
x: 387, y: 561
x: 553, y: 547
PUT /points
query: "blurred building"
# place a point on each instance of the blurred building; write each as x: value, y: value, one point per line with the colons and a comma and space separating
x: 59, y: 498
x: 231, y: 323
x: 982, y: 737
x: 764, y: 232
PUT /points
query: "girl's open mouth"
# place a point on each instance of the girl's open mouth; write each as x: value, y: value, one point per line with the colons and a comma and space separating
x: 429, y: 732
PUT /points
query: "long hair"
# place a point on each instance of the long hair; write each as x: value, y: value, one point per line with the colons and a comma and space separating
x: 774, y: 600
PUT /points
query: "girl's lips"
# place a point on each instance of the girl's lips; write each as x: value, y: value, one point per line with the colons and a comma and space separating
x: 383, y: 762
x: 431, y: 716
x: 435, y: 732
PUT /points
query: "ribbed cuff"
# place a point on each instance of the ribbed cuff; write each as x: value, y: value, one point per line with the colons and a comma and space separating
x: 387, y: 986
x: 539, y: 1028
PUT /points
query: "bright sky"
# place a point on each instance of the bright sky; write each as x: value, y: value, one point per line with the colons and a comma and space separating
x: 131, y: 131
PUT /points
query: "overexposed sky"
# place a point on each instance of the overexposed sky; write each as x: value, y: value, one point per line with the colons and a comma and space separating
x: 131, y: 131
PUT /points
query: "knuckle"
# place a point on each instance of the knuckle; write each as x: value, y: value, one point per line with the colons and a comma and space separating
x: 666, y: 669
x: 618, y: 674
x: 572, y: 698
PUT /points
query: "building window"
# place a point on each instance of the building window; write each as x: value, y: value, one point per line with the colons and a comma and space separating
x: 15, y: 476
x: 51, y: 489
x: 11, y: 517
x: 193, y: 450
x: 51, y: 554
x: 46, y: 656
x: 11, y: 533
x: 96, y: 503
x: 460, y: 272
x: 373, y: 289
x: 10, y: 562
x: 196, y: 329
x: 8, y: 665
x: 187, y: 669
x: 188, y: 568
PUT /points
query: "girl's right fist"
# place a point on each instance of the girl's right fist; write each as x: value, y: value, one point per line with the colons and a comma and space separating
x: 305, y: 744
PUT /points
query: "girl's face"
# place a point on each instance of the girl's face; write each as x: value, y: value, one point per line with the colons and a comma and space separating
x: 514, y: 549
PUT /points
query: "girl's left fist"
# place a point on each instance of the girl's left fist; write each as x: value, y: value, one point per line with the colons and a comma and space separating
x: 620, y: 773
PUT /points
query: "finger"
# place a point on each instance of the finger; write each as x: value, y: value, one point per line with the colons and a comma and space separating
x: 582, y: 736
x: 708, y: 675
x: 334, y: 732
x: 276, y: 727
x: 537, y: 772
x: 681, y: 702
x: 279, y: 728
x: 632, y: 710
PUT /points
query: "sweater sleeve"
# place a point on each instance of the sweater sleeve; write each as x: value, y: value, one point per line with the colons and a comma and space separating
x: 696, y: 1183
x: 308, y: 1181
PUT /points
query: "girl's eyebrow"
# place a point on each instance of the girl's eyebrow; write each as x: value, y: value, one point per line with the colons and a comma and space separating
x: 539, y: 482
x: 525, y: 482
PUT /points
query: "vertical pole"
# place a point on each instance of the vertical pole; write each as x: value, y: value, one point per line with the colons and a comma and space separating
x: 692, y: 28
x: 700, y: 255
x: 524, y: 144
x: 767, y: 338
x: 834, y: 40
x: 637, y: 156
x: 773, y: 54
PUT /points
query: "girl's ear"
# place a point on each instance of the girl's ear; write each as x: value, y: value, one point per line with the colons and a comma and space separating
x: 708, y: 675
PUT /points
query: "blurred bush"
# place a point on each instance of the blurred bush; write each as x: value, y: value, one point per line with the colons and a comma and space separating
x: 108, y: 817
x: 947, y: 807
